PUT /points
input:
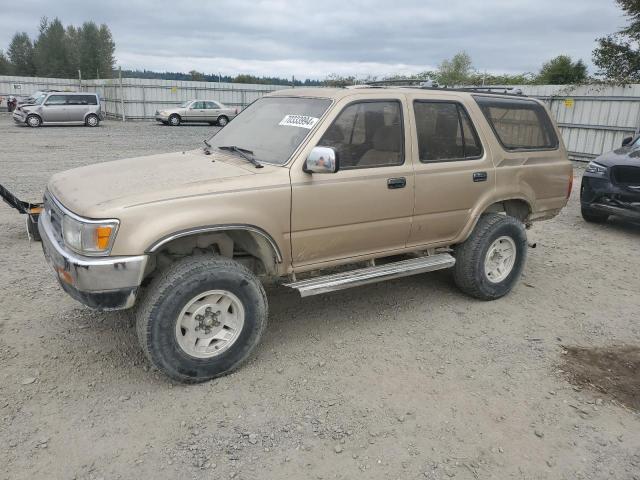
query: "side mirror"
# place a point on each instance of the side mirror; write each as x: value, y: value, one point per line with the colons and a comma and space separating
x: 322, y: 160
x: 626, y: 141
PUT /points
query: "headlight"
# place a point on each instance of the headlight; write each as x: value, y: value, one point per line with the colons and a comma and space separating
x: 596, y: 169
x: 90, y: 237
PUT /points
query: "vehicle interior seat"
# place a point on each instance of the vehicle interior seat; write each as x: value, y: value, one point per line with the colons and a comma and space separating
x: 386, y: 147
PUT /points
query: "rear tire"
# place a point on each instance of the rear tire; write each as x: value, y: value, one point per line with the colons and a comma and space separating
x: 34, y: 121
x: 593, y: 216
x: 222, y: 121
x: 174, y: 120
x: 490, y: 261
x: 181, y: 294
x: 92, y: 121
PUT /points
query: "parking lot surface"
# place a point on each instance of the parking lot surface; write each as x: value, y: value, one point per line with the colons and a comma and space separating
x: 406, y: 379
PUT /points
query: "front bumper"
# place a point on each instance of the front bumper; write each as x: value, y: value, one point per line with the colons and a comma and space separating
x: 103, y: 283
x: 602, y: 195
x: 19, y: 117
x: 161, y: 118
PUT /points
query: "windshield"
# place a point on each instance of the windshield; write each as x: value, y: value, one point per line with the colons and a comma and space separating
x: 185, y: 104
x: 38, y: 100
x: 272, y: 127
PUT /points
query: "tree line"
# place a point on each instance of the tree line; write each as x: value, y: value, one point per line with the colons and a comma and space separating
x: 60, y: 52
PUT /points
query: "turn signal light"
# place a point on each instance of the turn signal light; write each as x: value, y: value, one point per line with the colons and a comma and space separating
x: 102, y: 237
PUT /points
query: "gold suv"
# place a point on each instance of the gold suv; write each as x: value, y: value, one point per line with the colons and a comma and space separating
x: 323, y: 189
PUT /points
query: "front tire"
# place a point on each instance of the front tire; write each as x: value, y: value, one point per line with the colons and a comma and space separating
x: 174, y: 120
x: 201, y: 318
x: 34, y: 121
x: 490, y: 261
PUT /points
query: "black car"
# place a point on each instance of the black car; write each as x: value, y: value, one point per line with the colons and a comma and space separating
x: 611, y: 184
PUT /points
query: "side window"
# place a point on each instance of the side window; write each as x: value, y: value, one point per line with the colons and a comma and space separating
x: 210, y: 106
x: 519, y: 124
x: 56, y: 100
x: 367, y: 134
x: 445, y: 132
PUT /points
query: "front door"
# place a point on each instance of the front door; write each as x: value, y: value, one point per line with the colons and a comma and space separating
x: 453, y: 171
x: 55, y: 109
x: 366, y: 206
x: 196, y: 112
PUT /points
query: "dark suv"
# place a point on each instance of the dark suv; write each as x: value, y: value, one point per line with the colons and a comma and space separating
x: 611, y: 184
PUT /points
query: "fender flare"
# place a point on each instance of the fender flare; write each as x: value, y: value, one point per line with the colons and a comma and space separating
x: 154, y: 247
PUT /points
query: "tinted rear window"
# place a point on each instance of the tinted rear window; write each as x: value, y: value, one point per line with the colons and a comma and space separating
x: 519, y: 124
x: 81, y: 100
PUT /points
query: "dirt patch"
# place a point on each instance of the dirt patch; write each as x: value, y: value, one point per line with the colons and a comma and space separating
x: 613, y: 371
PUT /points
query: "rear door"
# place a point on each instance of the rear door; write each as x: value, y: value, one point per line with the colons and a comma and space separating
x: 212, y: 110
x: 55, y: 108
x: 454, y: 170
x: 78, y: 106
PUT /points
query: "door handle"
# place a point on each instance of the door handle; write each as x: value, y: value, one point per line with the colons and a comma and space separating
x: 480, y: 176
x: 393, y: 183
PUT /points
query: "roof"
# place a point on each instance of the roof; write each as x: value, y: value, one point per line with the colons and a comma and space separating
x: 338, y: 93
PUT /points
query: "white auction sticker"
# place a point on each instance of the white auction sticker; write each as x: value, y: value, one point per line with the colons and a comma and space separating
x: 302, y: 121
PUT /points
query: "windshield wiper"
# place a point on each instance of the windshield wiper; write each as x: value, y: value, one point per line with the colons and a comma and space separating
x: 244, y: 153
x: 207, y: 148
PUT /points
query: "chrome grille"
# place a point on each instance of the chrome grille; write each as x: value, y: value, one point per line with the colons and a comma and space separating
x: 55, y: 215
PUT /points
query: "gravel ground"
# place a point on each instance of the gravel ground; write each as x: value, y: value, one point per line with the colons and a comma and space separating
x: 407, y: 379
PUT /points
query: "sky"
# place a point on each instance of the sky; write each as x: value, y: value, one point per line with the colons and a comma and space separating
x: 313, y: 39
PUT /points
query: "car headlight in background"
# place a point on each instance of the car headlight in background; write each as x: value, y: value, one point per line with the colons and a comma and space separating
x: 596, y: 169
x: 89, y: 238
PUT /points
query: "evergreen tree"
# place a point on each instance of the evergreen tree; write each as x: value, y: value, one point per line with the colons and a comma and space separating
x: 106, y: 52
x: 52, y: 57
x: 20, y: 53
x: 5, y: 65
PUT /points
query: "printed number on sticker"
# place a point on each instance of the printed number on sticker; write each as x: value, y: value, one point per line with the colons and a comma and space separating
x: 301, y: 121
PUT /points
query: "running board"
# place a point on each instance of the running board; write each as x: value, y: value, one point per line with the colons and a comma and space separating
x: 363, y: 276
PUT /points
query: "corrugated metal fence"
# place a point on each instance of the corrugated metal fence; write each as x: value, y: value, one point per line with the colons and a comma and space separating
x: 593, y: 119
x: 139, y: 98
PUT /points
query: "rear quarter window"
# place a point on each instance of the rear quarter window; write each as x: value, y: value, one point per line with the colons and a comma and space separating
x: 519, y: 124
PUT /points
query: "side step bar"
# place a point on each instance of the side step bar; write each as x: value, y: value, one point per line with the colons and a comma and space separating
x: 363, y: 276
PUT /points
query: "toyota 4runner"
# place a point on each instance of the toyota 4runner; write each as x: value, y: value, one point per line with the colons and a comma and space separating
x: 323, y: 189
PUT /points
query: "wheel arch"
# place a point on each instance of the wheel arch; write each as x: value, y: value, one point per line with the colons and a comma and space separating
x: 514, y: 206
x: 227, y: 240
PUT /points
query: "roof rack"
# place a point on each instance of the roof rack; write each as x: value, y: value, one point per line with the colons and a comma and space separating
x: 431, y: 85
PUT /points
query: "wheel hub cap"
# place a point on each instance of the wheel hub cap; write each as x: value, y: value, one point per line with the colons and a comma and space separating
x: 209, y: 323
x: 500, y: 259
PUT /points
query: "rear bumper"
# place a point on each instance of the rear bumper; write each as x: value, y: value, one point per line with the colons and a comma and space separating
x: 103, y: 283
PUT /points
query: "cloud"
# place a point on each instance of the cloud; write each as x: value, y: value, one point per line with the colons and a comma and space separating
x: 313, y: 39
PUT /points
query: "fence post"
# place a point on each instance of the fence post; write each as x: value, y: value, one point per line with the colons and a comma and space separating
x: 121, y: 92
x: 144, y: 104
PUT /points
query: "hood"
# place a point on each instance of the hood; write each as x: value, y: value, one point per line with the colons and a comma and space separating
x: 100, y: 190
x: 628, y: 156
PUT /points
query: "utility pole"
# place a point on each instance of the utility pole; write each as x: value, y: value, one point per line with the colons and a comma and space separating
x: 79, y: 80
x: 121, y: 92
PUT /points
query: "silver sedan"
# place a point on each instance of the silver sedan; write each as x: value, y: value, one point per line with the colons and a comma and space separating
x: 200, y: 111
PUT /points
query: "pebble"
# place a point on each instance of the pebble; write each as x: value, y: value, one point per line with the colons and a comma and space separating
x: 124, y: 398
x: 280, y: 370
x: 28, y: 380
x: 539, y: 433
x: 337, y: 449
